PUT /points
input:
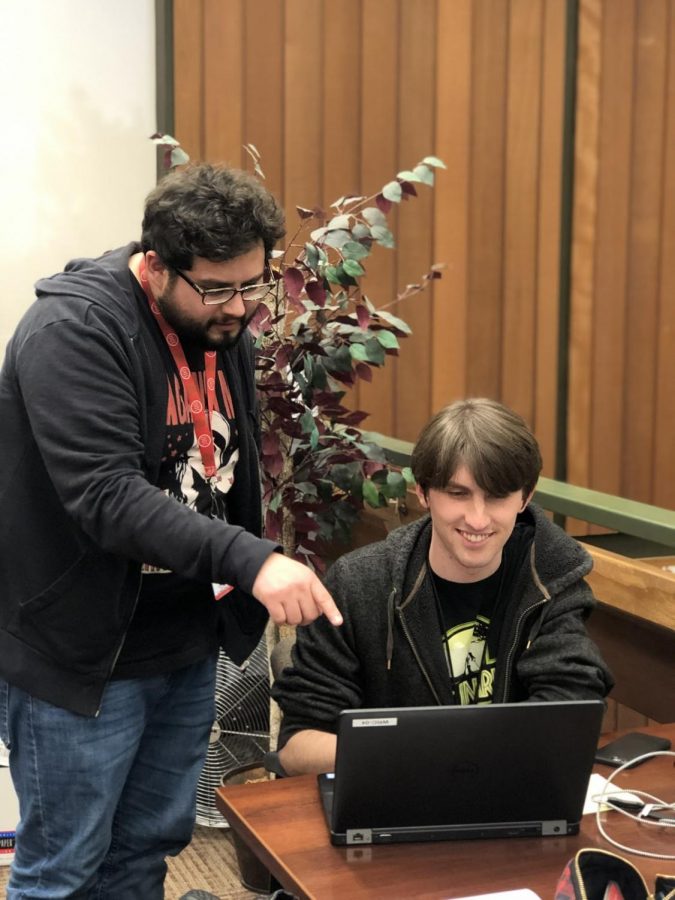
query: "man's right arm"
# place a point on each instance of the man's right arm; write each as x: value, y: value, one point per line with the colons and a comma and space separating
x: 308, y: 752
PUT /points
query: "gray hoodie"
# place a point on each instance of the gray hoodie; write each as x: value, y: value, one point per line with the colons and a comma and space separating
x: 389, y: 651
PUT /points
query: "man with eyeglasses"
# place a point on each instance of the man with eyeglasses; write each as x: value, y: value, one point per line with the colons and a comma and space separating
x: 130, y: 548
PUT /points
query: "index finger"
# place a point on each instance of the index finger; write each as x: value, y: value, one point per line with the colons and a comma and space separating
x: 326, y: 603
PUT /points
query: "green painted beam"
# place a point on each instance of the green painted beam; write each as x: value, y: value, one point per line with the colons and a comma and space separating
x: 652, y: 523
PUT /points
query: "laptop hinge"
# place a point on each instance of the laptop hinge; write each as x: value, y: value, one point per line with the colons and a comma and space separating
x: 554, y: 826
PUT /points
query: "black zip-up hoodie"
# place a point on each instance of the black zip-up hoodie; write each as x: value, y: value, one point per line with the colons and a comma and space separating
x: 83, y: 398
x: 389, y: 651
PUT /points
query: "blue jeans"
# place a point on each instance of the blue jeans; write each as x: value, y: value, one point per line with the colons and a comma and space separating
x: 104, y: 800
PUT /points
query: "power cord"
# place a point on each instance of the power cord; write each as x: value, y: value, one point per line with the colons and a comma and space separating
x: 654, y: 811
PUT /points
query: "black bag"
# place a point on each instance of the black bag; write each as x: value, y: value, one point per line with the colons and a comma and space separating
x: 600, y: 875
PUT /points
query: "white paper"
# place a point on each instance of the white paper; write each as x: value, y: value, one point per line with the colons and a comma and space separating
x: 596, y: 786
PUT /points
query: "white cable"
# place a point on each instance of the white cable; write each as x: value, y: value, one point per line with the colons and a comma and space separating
x: 655, y: 804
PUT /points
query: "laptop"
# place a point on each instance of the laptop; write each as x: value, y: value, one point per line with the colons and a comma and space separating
x: 454, y: 772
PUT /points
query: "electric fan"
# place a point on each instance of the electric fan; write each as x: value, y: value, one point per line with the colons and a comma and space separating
x: 241, y: 731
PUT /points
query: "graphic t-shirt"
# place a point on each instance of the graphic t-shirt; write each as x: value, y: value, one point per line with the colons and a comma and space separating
x: 174, y: 624
x: 471, y: 615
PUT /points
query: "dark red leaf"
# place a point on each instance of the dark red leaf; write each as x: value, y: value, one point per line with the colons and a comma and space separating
x: 383, y: 204
x: 270, y: 443
x: 408, y: 188
x: 304, y: 213
x: 272, y: 526
x: 273, y: 465
x: 293, y: 282
x: 362, y: 315
x: 316, y: 292
x: 370, y: 467
x: 364, y: 371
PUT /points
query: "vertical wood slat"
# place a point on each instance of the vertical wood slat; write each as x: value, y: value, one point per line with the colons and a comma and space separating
x: 663, y: 487
x: 553, y: 45
x: 379, y: 161
x: 223, y: 81
x: 486, y: 221
x: 643, y: 249
x: 415, y: 136
x: 583, y: 245
x: 187, y: 79
x: 303, y: 108
x: 264, y: 99
x: 613, y: 198
x: 523, y: 109
x: 451, y: 210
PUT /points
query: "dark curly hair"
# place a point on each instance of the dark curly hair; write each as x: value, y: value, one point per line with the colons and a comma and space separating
x: 213, y: 212
x: 490, y: 439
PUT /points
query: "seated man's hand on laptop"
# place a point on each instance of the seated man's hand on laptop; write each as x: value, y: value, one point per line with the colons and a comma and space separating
x: 292, y: 593
x: 309, y: 752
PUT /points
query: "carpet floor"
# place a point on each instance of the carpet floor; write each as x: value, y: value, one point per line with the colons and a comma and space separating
x: 209, y: 863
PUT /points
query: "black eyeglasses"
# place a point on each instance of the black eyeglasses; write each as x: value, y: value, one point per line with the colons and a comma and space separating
x: 250, y: 293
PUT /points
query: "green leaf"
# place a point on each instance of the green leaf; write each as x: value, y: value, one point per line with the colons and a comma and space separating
x: 407, y: 473
x: 352, y: 267
x: 394, y: 320
x: 383, y: 236
x: 311, y: 256
x: 360, y: 231
x: 396, y: 484
x: 407, y: 175
x: 388, y: 339
x: 332, y: 275
x: 337, y: 238
x: 339, y: 222
x: 374, y: 352
x: 374, y: 216
x: 358, y: 352
x: 179, y: 157
x: 370, y: 493
x: 392, y: 191
x: 354, y: 250
x: 435, y: 162
x: 426, y: 175
x: 274, y: 502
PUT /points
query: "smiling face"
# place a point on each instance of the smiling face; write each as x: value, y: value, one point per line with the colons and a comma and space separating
x: 211, y: 327
x: 469, y: 527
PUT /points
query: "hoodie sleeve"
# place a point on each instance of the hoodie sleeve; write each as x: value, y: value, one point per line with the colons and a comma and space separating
x: 79, y: 381
x: 324, y: 677
x: 561, y: 662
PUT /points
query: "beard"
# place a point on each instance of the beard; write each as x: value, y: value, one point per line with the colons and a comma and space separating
x: 205, y: 334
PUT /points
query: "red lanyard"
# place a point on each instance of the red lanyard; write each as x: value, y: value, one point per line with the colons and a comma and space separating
x: 200, y: 416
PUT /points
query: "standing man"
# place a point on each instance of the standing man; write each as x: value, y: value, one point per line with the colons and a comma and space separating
x: 130, y: 545
x: 481, y: 601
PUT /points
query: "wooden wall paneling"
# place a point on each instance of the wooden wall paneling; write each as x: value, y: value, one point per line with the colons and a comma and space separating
x: 303, y: 116
x: 416, y: 139
x: 663, y: 487
x: 613, y: 210
x: 583, y: 247
x: 342, y: 99
x: 545, y: 375
x: 450, y: 309
x: 521, y: 183
x: 486, y: 218
x: 379, y: 163
x: 264, y: 101
x: 223, y: 81
x: 644, y: 248
x: 342, y: 111
x: 188, y: 77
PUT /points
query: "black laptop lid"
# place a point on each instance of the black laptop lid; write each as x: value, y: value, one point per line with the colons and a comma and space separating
x: 463, y: 771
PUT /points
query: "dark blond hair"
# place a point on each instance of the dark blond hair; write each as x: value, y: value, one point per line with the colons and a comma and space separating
x: 490, y: 439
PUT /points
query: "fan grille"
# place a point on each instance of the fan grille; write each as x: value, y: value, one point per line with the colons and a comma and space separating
x: 240, y: 732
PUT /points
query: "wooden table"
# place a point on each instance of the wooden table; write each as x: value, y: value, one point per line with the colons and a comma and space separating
x: 282, y: 822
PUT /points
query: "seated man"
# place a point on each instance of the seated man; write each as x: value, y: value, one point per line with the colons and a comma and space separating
x: 481, y: 601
